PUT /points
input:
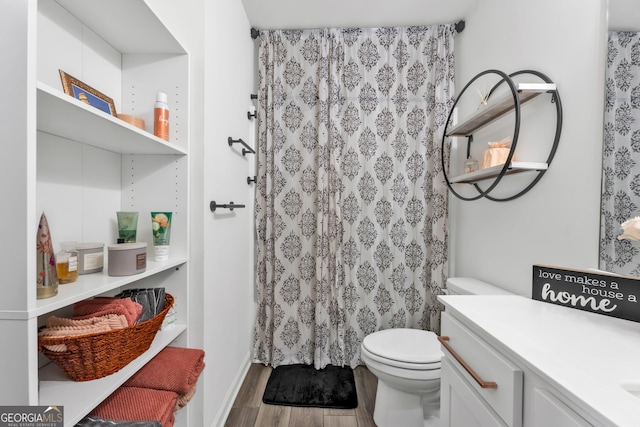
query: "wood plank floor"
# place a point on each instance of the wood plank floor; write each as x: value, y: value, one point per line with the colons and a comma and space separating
x: 249, y: 411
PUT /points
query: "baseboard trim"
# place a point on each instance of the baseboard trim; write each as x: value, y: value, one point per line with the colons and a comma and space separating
x: 227, y: 404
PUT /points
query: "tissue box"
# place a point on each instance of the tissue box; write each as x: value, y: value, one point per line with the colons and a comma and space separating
x: 496, y: 154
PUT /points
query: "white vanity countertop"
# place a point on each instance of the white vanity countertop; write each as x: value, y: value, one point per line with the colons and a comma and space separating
x: 589, y: 357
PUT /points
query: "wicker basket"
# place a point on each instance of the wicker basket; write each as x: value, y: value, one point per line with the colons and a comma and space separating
x: 93, y: 356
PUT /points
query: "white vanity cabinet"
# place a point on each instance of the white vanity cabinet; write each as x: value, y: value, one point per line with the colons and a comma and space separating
x: 511, y: 361
x: 473, y: 371
x: 549, y: 408
x: 460, y: 404
x: 80, y: 165
x: 468, y: 401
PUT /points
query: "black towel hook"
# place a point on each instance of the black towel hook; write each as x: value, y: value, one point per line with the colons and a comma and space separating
x: 248, y: 149
x: 231, y: 206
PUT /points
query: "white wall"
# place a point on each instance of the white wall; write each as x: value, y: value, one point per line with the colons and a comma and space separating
x: 187, y: 22
x: 221, y: 310
x: 221, y: 313
x: 297, y: 14
x: 557, y: 222
x: 228, y: 247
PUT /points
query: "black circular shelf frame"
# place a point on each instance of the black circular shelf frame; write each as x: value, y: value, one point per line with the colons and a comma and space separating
x: 505, y: 79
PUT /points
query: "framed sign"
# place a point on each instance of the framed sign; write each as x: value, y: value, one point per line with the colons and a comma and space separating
x: 85, y: 93
x: 608, y: 294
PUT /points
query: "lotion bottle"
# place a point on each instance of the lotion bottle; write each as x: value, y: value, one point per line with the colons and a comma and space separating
x: 161, y: 117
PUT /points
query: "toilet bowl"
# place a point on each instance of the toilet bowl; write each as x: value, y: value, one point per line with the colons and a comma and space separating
x: 407, y: 365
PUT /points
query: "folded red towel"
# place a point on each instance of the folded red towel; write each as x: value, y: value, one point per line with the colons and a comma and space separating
x: 173, y: 369
x: 183, y: 399
x: 133, y: 404
x: 100, y: 306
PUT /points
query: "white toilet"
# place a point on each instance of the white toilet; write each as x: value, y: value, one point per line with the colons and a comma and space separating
x: 407, y: 364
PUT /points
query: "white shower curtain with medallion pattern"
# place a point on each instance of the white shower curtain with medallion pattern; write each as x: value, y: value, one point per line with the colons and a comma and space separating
x: 351, y: 207
x: 620, y: 171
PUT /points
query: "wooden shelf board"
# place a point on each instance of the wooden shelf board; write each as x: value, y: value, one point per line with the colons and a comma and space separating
x: 498, y: 108
x: 492, y: 172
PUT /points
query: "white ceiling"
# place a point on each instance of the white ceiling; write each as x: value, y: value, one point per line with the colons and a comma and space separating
x: 624, y: 15
x: 299, y: 14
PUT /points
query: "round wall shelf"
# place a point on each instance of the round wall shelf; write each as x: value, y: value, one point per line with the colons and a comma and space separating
x: 508, y: 103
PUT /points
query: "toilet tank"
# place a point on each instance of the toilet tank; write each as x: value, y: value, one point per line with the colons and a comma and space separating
x: 471, y: 286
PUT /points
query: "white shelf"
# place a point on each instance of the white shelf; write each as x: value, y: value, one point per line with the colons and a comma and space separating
x: 127, y: 25
x: 79, y: 397
x: 492, y: 172
x: 499, y: 107
x: 63, y: 115
x: 89, y: 285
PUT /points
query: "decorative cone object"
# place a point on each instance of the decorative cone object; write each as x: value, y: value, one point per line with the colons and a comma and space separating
x: 47, y: 282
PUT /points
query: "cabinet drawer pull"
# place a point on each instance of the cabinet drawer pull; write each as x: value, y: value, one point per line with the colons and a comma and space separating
x: 484, y: 384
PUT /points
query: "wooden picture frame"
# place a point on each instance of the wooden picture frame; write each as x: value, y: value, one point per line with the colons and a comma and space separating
x: 85, y: 93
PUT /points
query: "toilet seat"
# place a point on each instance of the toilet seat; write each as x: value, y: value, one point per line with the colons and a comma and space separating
x: 407, y: 365
x: 404, y: 348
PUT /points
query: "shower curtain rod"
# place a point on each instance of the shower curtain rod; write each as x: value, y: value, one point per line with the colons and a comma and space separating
x: 459, y: 27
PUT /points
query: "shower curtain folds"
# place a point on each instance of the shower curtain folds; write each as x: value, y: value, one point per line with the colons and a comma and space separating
x: 351, y: 208
x: 621, y: 172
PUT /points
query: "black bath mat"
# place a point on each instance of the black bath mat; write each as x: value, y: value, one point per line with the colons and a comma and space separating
x: 303, y: 385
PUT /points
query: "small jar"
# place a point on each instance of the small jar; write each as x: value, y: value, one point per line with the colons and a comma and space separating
x: 90, y: 258
x: 127, y: 259
x: 471, y: 165
x: 67, y: 263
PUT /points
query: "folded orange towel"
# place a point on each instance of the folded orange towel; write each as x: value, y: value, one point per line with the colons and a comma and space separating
x: 133, y: 404
x: 115, y: 321
x: 61, y: 327
x: 100, y: 306
x: 173, y: 369
x: 71, y: 331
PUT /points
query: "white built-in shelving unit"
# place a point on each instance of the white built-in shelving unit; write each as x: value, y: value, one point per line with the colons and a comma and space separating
x: 80, y: 166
